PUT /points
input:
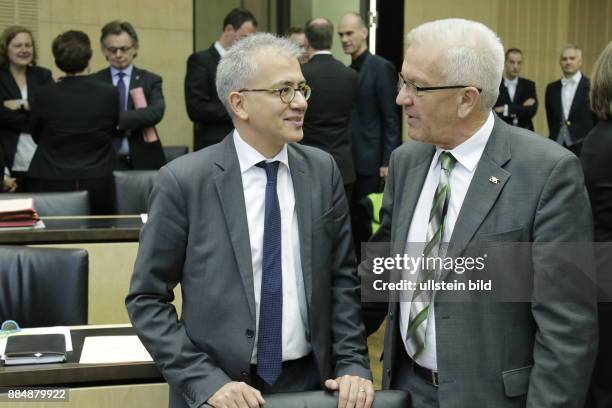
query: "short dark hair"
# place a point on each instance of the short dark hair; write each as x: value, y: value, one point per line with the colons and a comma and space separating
x: 320, y: 33
x: 7, y: 36
x: 237, y: 17
x: 72, y: 51
x: 295, y: 30
x: 512, y: 50
x: 117, y: 27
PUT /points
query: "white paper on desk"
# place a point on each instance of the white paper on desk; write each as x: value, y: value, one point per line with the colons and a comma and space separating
x: 41, y: 330
x: 113, y: 349
x: 138, y: 97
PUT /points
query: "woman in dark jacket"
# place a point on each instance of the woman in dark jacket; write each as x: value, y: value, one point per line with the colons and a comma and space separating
x: 73, y: 124
x: 19, y: 80
x: 596, y: 158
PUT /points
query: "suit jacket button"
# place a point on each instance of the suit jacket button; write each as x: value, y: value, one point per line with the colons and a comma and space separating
x: 250, y: 333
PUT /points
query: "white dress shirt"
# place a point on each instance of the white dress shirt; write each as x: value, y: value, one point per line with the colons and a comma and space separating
x: 125, y: 147
x: 511, y: 87
x: 568, y: 91
x: 295, y: 315
x: 222, y: 51
x: 467, y: 155
x: 26, y: 147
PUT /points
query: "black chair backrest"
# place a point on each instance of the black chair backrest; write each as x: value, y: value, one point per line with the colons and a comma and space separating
x: 132, y: 190
x: 43, y: 286
x: 47, y: 204
x: 323, y: 399
x: 172, y: 152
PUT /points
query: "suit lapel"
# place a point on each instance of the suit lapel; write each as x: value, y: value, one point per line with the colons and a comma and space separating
x: 556, y: 98
x: 302, y: 191
x: 231, y: 195
x: 135, y: 82
x: 482, y: 192
x: 579, y: 96
x: 503, y: 92
x: 409, y: 197
x: 518, y: 91
x: 9, y: 83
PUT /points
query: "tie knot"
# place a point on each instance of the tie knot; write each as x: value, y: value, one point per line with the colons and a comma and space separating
x: 447, y: 161
x: 271, y: 169
x: 120, y: 74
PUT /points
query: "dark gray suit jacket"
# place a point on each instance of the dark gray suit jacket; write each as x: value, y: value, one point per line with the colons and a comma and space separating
x: 513, y: 354
x: 145, y: 155
x: 197, y: 235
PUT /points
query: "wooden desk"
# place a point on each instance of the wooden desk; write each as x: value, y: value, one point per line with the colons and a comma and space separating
x: 91, y: 385
x: 85, y: 229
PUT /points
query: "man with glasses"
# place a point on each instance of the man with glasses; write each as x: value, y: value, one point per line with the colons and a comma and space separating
x: 136, y: 141
x: 256, y: 231
x: 467, y: 178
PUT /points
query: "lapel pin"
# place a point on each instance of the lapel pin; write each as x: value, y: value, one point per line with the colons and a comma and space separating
x: 493, y: 180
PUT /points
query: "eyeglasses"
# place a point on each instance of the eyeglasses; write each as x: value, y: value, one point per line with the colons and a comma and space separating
x: 414, y: 89
x: 113, y: 50
x: 9, y: 327
x: 286, y: 93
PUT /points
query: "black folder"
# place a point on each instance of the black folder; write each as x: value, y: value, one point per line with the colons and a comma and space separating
x: 35, y: 349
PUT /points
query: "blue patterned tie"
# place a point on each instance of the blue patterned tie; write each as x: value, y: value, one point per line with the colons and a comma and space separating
x: 118, y: 139
x: 270, y: 338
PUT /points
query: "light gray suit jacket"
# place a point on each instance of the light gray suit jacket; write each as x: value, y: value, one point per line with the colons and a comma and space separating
x: 494, y: 354
x: 197, y: 235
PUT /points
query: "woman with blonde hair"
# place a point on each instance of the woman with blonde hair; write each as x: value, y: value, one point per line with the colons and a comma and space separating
x: 20, y: 77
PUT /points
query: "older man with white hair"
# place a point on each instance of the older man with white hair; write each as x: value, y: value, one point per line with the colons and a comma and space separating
x: 256, y: 231
x: 468, y: 178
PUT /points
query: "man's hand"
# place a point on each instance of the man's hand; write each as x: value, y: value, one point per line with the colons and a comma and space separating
x: 9, y: 184
x: 12, y: 104
x: 236, y: 395
x: 499, y: 109
x: 383, y: 171
x: 529, y: 102
x: 353, y: 391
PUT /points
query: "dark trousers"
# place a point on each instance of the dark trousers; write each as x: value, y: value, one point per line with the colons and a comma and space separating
x: 422, y: 394
x: 360, y: 219
x: 297, y: 375
x: 101, y: 191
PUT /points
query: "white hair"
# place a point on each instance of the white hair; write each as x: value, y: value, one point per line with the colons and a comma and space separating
x: 472, y: 54
x: 237, y: 68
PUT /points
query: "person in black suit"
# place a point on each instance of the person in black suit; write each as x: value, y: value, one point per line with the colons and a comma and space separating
x: 375, y: 122
x: 119, y: 43
x: 212, y: 122
x: 596, y: 157
x: 19, y: 80
x: 567, y: 102
x: 73, y: 124
x: 517, y: 103
x: 327, y: 123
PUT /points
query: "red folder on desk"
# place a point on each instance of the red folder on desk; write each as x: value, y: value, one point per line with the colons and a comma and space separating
x: 148, y: 134
x: 18, y: 213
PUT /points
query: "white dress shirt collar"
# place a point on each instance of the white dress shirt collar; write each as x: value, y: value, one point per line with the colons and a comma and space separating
x: 469, y: 152
x: 574, y: 79
x: 127, y: 71
x: 249, y: 157
x: 513, y: 82
x: 222, y: 51
x: 321, y: 52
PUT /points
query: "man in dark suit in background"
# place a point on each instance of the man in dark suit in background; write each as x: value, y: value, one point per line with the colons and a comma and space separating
x: 204, y: 108
x: 326, y: 125
x: 517, y: 103
x: 256, y: 231
x: 119, y: 43
x: 375, y: 124
x: 567, y: 102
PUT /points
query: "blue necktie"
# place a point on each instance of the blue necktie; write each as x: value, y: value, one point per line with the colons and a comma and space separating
x: 118, y: 139
x: 270, y: 338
